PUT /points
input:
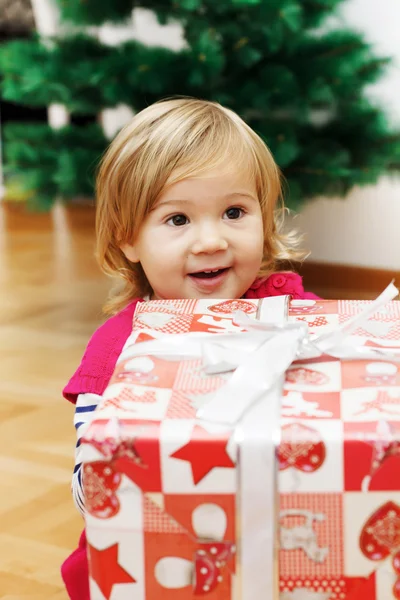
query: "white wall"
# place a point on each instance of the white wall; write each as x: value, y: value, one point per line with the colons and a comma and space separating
x: 364, y: 229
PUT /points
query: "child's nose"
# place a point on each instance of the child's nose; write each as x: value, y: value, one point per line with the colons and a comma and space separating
x: 209, y: 239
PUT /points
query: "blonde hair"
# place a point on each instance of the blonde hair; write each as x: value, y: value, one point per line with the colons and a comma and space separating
x: 163, y: 144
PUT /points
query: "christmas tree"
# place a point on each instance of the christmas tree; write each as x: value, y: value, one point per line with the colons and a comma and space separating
x: 299, y: 84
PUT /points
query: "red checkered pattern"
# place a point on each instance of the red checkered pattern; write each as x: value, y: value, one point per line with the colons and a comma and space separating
x: 157, y: 520
x: 351, y: 308
x: 184, y: 405
x: 329, y: 533
x: 116, y: 402
x: 190, y: 376
x: 383, y: 403
x: 177, y: 307
x: 178, y: 324
x: 127, y: 394
x: 179, y: 407
x: 392, y: 334
x: 145, y: 398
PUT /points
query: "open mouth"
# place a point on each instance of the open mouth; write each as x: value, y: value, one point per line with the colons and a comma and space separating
x: 208, y: 274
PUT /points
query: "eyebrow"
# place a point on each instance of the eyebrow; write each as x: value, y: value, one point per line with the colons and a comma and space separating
x: 226, y: 197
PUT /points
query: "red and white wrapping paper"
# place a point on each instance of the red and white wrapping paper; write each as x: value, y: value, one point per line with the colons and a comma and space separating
x: 204, y: 455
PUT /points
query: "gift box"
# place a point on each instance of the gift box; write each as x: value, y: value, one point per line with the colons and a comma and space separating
x: 250, y: 454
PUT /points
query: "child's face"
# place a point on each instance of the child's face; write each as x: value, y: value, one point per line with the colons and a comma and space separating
x: 203, y: 239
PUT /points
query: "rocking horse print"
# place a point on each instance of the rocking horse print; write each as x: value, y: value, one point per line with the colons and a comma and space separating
x: 302, y: 537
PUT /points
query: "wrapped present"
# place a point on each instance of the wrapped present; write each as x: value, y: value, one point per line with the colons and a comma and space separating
x: 253, y: 453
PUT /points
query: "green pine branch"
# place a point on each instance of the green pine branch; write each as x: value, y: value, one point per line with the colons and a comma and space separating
x: 302, y: 91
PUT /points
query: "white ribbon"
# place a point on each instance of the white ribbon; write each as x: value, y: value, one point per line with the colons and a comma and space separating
x: 260, y: 355
x: 328, y: 341
x: 336, y: 343
x: 255, y: 375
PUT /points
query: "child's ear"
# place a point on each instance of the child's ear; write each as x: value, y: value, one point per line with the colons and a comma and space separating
x: 130, y: 252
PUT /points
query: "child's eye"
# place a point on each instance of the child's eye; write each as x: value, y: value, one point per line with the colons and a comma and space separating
x: 234, y: 213
x: 177, y: 220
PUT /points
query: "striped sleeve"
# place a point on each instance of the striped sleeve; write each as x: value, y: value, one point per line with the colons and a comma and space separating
x: 85, y: 405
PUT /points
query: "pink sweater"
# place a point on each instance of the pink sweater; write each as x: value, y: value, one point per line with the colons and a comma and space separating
x: 96, y: 369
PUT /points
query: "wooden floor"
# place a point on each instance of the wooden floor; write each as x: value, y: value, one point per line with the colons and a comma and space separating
x: 50, y: 302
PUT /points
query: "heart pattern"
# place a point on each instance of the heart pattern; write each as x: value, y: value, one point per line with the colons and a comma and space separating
x: 101, y: 484
x: 230, y: 306
x: 380, y: 535
x: 301, y: 448
x: 102, y: 478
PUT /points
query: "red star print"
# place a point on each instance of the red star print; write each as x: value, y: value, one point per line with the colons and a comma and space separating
x: 105, y: 569
x: 205, y: 451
